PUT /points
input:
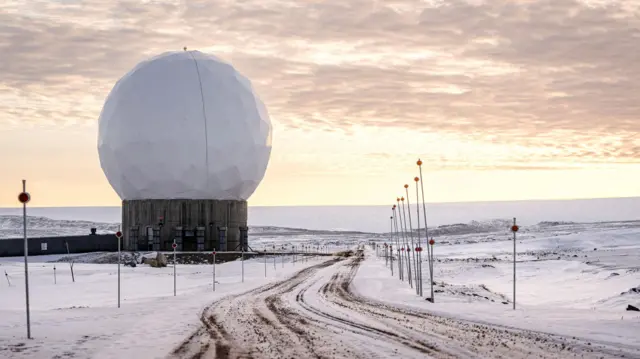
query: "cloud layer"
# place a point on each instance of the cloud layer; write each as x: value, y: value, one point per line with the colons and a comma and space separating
x: 559, y: 78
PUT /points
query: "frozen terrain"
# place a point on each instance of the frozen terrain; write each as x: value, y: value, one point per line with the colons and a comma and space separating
x: 575, y: 281
x: 372, y: 218
x: 81, y: 319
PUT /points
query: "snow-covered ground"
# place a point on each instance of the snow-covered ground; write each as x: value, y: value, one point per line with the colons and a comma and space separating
x: 574, y: 280
x: 81, y: 319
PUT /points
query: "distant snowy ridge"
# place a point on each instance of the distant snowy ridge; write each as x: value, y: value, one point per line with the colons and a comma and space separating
x: 39, y: 226
x: 11, y: 227
x: 489, y: 226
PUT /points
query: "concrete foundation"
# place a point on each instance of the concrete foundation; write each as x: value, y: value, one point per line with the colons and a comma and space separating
x: 195, y: 225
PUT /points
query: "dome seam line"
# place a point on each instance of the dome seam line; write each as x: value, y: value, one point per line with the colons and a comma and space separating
x: 204, y: 114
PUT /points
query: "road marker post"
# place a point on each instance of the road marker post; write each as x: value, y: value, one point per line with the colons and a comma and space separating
x: 24, y: 197
x: 175, y: 263
x: 118, y: 236
x: 431, y: 243
x: 419, y: 244
x: 395, y: 224
x: 514, y: 229
x: 406, y: 240
x: 424, y: 214
x: 413, y: 245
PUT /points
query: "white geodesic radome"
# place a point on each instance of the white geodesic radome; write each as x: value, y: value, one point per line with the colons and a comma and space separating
x: 184, y: 125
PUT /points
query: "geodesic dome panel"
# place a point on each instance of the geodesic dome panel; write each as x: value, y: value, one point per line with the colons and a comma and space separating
x: 184, y: 125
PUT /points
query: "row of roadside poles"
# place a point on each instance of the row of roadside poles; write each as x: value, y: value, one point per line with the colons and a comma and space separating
x: 408, y: 247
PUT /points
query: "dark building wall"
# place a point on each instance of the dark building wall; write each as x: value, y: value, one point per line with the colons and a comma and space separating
x: 56, y: 245
x: 140, y: 215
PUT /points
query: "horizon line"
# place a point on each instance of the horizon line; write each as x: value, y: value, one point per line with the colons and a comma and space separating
x: 378, y: 205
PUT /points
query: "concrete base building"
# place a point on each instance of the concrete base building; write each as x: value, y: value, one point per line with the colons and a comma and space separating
x: 194, y: 225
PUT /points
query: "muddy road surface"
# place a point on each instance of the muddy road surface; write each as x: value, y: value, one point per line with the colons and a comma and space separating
x: 315, y: 315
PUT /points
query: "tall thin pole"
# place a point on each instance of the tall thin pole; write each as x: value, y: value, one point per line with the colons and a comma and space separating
x: 413, y: 245
x: 406, y: 241
x: 405, y: 253
x: 26, y: 261
x: 514, y: 229
x: 426, y: 227
x: 431, y: 243
x: 419, y: 240
x: 392, y: 237
x: 118, y: 239
x: 175, y: 263
x: 265, y: 263
x: 395, y: 223
x: 242, y: 254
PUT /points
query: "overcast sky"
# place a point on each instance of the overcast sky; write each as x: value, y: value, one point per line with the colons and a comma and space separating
x: 512, y: 99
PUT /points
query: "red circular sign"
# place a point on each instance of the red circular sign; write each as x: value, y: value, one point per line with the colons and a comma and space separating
x: 514, y: 228
x: 119, y: 234
x: 403, y: 249
x: 418, y: 249
x: 174, y: 246
x: 214, y: 253
x: 432, y: 242
x: 24, y: 197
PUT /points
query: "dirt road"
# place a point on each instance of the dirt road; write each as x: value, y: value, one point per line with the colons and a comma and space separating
x: 315, y: 315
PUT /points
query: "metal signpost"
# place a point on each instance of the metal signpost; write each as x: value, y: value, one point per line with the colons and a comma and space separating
x: 265, y: 263
x: 119, y: 236
x: 242, y: 254
x: 55, y: 279
x: 175, y: 263
x: 514, y: 229
x: 24, y: 197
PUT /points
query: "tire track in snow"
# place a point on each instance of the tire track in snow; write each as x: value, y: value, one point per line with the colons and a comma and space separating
x: 314, y: 314
x: 464, y: 338
x: 219, y: 336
